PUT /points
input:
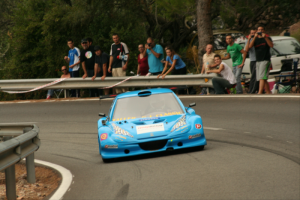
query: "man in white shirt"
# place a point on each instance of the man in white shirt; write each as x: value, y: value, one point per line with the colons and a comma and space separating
x: 226, y: 81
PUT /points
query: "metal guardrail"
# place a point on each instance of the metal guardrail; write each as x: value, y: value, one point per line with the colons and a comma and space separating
x: 135, y: 81
x: 14, y: 149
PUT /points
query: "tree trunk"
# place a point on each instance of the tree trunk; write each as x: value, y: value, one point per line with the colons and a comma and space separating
x: 204, y: 26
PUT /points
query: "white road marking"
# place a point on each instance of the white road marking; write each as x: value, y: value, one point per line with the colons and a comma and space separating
x: 211, y: 128
x: 66, y: 179
x: 269, y: 136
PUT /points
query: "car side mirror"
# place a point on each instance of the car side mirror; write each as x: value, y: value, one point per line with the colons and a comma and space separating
x: 192, y: 104
x: 102, y: 114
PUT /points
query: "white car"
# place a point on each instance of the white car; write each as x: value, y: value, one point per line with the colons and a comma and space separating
x: 284, y: 47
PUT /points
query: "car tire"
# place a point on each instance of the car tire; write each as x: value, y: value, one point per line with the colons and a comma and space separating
x: 200, y: 148
x: 106, y: 160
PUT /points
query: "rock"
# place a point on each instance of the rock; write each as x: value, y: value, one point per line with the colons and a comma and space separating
x: 280, y: 16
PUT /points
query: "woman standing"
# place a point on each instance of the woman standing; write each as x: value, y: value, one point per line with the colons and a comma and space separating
x: 143, y: 66
x: 176, y: 63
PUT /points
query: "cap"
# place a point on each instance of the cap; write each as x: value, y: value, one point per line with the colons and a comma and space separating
x: 83, y: 40
x: 96, y: 48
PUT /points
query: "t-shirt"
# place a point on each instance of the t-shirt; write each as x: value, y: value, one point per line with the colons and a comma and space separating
x: 262, y: 49
x: 88, y: 56
x: 209, y: 58
x: 74, y: 55
x: 143, y: 63
x: 115, y: 51
x: 235, y: 54
x: 102, y: 59
x: 155, y: 64
x: 179, y: 63
x: 252, y: 55
x: 227, y: 74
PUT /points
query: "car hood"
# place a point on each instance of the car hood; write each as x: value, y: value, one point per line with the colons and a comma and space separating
x: 150, y: 128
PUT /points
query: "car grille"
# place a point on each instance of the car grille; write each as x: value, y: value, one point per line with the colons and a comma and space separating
x: 154, y: 145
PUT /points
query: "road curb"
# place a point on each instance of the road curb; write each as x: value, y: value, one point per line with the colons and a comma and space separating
x: 67, y: 178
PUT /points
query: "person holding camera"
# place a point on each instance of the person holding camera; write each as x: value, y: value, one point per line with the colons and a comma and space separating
x: 155, y: 54
x: 254, y: 84
x: 119, y: 56
x: 262, y: 44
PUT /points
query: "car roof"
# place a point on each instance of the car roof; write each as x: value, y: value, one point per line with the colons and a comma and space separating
x: 135, y: 93
x: 282, y: 38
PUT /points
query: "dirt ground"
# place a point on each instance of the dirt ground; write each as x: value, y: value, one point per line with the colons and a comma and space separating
x: 47, y: 181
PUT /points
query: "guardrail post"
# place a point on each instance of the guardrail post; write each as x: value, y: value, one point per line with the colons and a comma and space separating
x: 30, y: 168
x: 10, y: 178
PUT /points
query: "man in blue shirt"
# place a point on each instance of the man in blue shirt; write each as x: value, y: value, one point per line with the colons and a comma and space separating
x: 73, y: 59
x: 155, y: 54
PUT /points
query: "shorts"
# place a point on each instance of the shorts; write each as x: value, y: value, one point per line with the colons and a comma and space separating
x: 262, y: 70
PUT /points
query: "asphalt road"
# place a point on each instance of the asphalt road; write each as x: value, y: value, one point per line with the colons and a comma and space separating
x: 253, y: 151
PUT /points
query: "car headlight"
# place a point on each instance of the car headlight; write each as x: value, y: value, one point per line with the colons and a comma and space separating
x: 120, y: 131
x: 180, y: 123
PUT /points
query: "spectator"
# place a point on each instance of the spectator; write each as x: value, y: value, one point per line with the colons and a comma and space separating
x: 143, y: 66
x: 87, y: 60
x: 74, y: 63
x: 254, y: 84
x: 176, y: 63
x: 65, y: 74
x: 90, y: 41
x: 155, y: 55
x: 262, y: 44
x: 238, y: 56
x: 101, y: 65
x: 208, y: 63
x: 287, y: 33
x: 117, y: 65
x: 226, y: 81
x: 208, y: 59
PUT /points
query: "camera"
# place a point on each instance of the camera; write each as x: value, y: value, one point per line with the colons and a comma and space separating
x: 149, y: 44
x: 259, y: 33
x: 252, y: 36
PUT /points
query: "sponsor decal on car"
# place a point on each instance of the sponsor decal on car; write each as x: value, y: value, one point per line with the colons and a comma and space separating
x: 103, y: 136
x: 120, y: 131
x: 198, y: 126
x: 150, y: 128
x: 180, y: 123
x: 194, y: 136
x: 115, y: 146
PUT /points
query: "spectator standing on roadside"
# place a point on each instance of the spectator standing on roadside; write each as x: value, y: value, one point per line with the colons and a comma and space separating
x: 226, y: 81
x: 238, y: 56
x: 101, y: 66
x: 87, y: 60
x: 178, y: 67
x: 254, y: 84
x: 117, y: 65
x: 90, y: 41
x: 208, y: 63
x: 73, y: 59
x: 262, y: 44
x: 143, y: 67
x: 65, y: 74
x: 155, y: 54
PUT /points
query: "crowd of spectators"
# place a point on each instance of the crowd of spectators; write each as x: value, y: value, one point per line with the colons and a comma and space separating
x: 97, y: 63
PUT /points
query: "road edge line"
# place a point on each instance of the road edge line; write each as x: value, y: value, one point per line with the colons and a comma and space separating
x: 66, y: 179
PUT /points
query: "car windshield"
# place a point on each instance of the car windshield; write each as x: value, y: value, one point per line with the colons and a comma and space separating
x: 287, y: 47
x: 155, y: 105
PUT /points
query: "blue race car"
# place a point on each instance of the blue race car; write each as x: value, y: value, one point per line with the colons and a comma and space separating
x: 147, y: 121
